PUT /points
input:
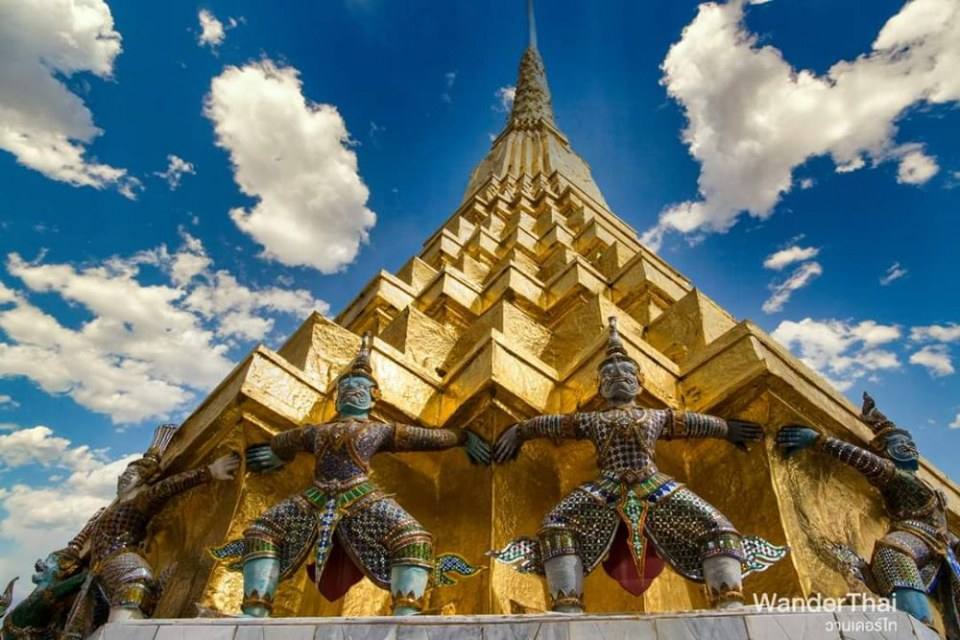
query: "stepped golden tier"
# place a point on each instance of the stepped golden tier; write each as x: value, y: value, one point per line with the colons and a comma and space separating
x: 503, y: 316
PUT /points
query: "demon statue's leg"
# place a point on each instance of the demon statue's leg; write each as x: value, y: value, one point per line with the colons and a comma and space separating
x: 565, y: 582
x: 913, y: 602
x: 408, y: 584
x: 122, y: 614
x: 897, y: 573
x: 260, y: 578
x: 724, y: 579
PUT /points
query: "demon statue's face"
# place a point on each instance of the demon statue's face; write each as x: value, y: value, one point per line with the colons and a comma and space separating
x: 129, y: 480
x: 355, y: 395
x: 48, y: 570
x: 619, y: 380
x: 901, y: 449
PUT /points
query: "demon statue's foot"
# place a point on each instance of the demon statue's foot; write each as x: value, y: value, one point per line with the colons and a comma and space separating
x: 122, y: 614
x: 913, y: 602
x: 565, y: 583
x: 260, y: 578
x: 408, y: 584
x: 724, y: 579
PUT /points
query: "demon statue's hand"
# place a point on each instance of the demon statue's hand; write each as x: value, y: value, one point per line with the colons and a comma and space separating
x: 224, y: 467
x: 260, y: 457
x: 795, y: 437
x: 508, y: 445
x: 740, y: 432
x: 477, y: 448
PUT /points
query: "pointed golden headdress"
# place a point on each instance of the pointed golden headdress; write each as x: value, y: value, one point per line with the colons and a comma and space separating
x: 881, y: 426
x: 149, y: 464
x: 361, y: 364
x: 615, y: 349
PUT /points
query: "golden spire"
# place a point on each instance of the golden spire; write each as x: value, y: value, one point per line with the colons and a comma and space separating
x: 531, y: 102
x: 531, y: 25
x: 531, y: 144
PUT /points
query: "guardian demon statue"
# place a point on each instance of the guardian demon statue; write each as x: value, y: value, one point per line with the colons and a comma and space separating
x: 631, y: 503
x: 346, y: 524
x: 918, y: 555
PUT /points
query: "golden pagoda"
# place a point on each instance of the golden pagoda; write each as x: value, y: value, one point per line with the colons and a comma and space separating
x: 502, y: 316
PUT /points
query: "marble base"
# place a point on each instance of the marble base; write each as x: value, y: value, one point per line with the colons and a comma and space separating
x: 745, y: 624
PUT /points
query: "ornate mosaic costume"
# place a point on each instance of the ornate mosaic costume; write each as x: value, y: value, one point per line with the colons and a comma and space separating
x: 122, y: 574
x: 918, y: 552
x: 683, y: 528
x: 111, y: 541
x: 343, y: 506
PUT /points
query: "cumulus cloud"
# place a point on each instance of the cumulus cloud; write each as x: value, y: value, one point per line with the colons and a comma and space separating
x: 38, y: 445
x: 294, y: 157
x: 840, y: 351
x: 6, y: 400
x: 935, y: 359
x: 781, y: 292
x: 177, y: 167
x: 147, y: 347
x: 916, y: 167
x: 894, y: 272
x: 956, y: 422
x: 212, y: 32
x: 753, y: 118
x: 936, y: 333
x: 505, y: 96
x: 44, y: 125
x: 785, y: 257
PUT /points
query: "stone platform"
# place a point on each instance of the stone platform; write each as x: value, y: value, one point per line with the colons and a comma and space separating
x: 747, y: 624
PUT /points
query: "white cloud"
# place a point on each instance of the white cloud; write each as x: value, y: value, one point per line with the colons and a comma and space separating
x: 177, y: 167
x: 449, y: 78
x: 840, y: 351
x: 784, y: 257
x: 148, y: 347
x: 212, y: 32
x: 505, y: 96
x: 44, y: 125
x: 294, y: 156
x: 8, y: 401
x: 806, y: 183
x: 38, y: 445
x: 753, y: 118
x: 781, y: 292
x: 894, y: 272
x: 936, y: 333
x: 916, y: 167
x: 936, y: 360
x: 956, y: 422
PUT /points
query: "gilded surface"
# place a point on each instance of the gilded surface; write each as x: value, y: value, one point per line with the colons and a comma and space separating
x: 499, y: 318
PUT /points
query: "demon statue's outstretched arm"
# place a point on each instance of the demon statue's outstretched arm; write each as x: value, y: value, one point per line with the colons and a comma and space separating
x: 687, y: 424
x: 412, y: 438
x: 282, y: 448
x: 158, y: 494
x: 556, y: 427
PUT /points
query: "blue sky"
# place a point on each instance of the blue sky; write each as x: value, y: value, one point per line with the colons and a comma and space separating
x: 97, y: 247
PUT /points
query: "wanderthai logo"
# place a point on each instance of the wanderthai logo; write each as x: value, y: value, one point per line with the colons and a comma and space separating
x: 849, y: 603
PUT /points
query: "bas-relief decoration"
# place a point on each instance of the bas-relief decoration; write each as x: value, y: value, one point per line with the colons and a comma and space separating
x: 500, y: 318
